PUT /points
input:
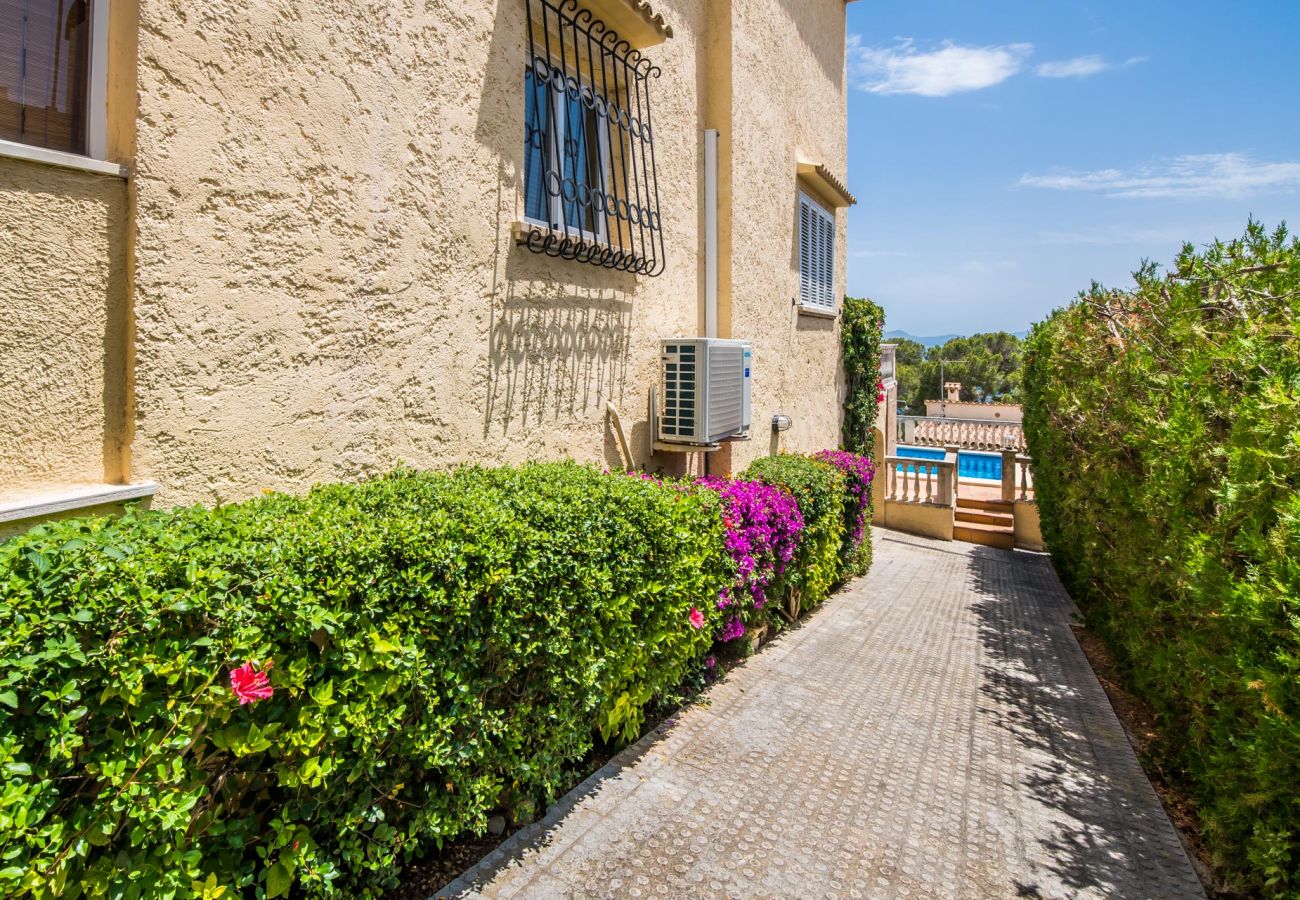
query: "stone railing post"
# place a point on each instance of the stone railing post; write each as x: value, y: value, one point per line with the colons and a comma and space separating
x: 1025, y: 464
x: 948, y: 478
x: 1009, y: 466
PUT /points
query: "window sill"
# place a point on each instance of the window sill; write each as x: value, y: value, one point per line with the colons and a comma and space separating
x: 50, y: 504
x: 14, y: 150
x: 817, y: 312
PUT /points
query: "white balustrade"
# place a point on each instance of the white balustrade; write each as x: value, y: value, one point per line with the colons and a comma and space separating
x: 912, y: 480
x: 970, y: 434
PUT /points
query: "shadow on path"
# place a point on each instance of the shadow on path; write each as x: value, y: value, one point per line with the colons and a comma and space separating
x: 1105, y: 830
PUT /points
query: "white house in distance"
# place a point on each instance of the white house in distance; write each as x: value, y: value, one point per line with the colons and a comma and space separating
x: 952, y: 408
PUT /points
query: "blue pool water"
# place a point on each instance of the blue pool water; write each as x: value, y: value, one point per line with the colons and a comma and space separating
x: 970, y: 464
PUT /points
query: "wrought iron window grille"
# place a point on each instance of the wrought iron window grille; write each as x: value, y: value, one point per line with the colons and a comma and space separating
x: 590, y: 188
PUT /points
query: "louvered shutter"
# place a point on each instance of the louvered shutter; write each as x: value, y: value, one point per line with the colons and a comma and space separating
x: 806, y: 254
x: 828, y: 261
x: 816, y: 256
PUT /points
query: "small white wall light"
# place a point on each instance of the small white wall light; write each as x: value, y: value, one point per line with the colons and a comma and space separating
x: 781, y: 422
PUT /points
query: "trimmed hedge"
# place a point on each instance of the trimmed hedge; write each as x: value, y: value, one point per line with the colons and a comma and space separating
x: 1164, y: 422
x: 438, y: 646
x: 764, y: 529
x: 415, y: 651
x: 819, y: 489
x: 855, y: 543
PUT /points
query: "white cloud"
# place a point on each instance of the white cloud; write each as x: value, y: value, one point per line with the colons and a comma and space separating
x: 1123, y: 235
x: 1227, y: 175
x: 876, y: 254
x: 947, y: 69
x: 1082, y: 66
x: 1079, y: 67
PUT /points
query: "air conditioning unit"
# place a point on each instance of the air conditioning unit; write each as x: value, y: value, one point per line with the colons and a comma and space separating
x: 705, y: 390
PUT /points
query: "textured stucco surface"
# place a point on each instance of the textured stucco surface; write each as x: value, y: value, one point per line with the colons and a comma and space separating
x: 925, y: 519
x: 788, y: 104
x: 61, y: 259
x: 323, y: 280
x: 326, y: 283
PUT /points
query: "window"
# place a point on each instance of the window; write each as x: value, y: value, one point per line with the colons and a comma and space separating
x: 45, y: 79
x: 816, y: 256
x: 566, y: 169
x: 590, y: 187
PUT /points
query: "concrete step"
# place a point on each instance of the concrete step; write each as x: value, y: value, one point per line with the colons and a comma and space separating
x: 1006, y: 506
x: 988, y: 535
x: 986, y: 517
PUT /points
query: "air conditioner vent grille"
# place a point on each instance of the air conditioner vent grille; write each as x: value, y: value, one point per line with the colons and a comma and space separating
x: 681, y: 373
x: 705, y: 390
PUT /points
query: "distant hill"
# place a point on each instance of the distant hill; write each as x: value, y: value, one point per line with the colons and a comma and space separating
x: 934, y: 340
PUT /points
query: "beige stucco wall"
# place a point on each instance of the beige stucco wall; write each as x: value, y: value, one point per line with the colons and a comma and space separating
x: 787, y: 104
x: 1027, y: 527
x: 62, y: 252
x: 323, y: 280
x: 926, y: 519
x: 326, y: 283
x: 992, y: 412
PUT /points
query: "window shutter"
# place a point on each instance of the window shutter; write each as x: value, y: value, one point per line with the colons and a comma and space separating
x: 828, y: 262
x: 816, y: 255
x: 807, y: 255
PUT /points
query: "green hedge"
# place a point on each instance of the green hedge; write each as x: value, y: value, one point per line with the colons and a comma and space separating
x: 1164, y: 422
x: 819, y: 489
x: 442, y: 645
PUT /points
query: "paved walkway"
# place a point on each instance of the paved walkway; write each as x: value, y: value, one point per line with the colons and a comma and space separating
x: 933, y: 731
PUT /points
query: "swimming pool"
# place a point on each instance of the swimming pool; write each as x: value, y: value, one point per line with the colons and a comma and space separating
x: 970, y: 463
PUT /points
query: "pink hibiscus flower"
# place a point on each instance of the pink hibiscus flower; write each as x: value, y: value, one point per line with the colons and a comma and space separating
x: 697, y: 619
x: 249, y: 684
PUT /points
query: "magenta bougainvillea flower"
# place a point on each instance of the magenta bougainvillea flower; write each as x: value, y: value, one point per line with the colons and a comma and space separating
x: 763, y: 525
x: 710, y: 661
x: 733, y: 629
x: 697, y: 619
x: 858, y: 474
x: 249, y: 684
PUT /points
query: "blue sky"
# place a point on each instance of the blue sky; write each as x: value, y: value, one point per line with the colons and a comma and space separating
x: 1005, y: 154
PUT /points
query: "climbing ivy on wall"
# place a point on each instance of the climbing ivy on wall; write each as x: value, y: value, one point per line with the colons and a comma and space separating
x: 862, y: 323
x: 1164, y: 422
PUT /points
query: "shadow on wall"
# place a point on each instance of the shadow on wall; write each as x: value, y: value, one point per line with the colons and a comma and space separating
x: 558, y: 343
x: 824, y: 37
x: 555, y: 358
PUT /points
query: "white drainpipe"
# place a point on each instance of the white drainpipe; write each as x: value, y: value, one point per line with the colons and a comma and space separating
x: 711, y: 232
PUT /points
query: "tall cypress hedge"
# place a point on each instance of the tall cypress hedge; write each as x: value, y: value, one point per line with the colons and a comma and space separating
x: 1164, y: 422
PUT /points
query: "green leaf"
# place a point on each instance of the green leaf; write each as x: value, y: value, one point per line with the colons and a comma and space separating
x: 278, y: 880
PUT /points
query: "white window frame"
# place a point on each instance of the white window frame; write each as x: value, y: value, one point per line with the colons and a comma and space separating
x: 816, y: 256
x: 559, y: 107
x: 96, y: 157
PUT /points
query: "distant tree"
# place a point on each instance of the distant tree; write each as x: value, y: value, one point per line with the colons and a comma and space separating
x: 909, y: 352
x: 987, y: 365
x: 908, y: 359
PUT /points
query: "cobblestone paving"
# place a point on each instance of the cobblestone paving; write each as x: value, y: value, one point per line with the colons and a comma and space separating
x: 934, y: 731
